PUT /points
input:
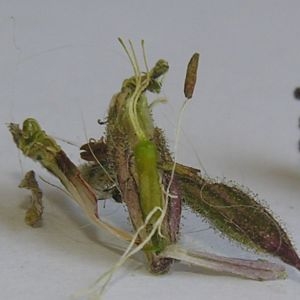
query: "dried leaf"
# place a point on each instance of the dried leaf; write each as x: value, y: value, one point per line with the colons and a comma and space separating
x: 35, y: 211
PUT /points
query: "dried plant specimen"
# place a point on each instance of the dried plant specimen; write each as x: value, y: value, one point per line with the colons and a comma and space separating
x: 133, y: 165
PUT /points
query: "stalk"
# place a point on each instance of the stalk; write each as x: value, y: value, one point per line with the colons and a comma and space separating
x: 134, y: 156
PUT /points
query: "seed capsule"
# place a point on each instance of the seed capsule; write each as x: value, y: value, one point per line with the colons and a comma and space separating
x: 236, y: 214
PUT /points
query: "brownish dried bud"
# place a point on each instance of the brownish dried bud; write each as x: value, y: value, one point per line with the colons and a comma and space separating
x: 94, y: 151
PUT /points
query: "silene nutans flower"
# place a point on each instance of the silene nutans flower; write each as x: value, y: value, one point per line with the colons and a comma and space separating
x: 132, y: 164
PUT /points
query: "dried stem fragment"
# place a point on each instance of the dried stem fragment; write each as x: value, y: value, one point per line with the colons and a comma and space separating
x: 35, y: 211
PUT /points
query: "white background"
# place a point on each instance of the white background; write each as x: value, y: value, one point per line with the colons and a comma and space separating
x: 60, y: 62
